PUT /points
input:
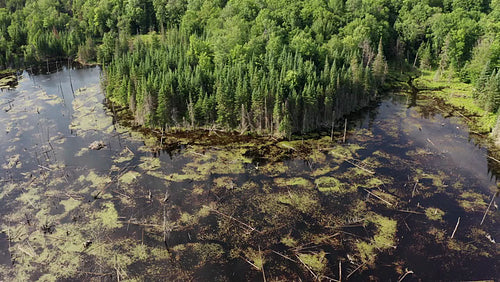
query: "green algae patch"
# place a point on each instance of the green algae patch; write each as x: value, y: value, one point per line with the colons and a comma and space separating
x: 373, y: 182
x: 13, y: 161
x: 149, y: 163
x: 108, y: 216
x: 273, y: 169
x: 317, y: 156
x: 289, y: 241
x: 124, y: 156
x: 70, y: 204
x: 224, y: 182
x: 303, y: 202
x: 82, y: 152
x: 187, y: 219
x: 317, y: 262
x: 30, y: 197
x: 434, y: 214
x: 7, y: 188
x: 195, y: 255
x: 323, y: 170
x: 129, y: 177
x: 437, y: 181
x: 345, y: 152
x: 472, y: 202
x: 223, y: 161
x: 97, y: 181
x: 255, y: 257
x: 383, y: 197
x: 331, y: 185
x: 87, y: 118
x: 189, y: 174
x: 384, y: 237
x: 299, y: 182
x: 157, y: 174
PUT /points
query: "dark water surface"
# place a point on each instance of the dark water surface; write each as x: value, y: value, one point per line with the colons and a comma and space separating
x: 219, y: 213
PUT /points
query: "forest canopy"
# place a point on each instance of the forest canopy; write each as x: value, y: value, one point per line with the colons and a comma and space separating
x: 270, y: 66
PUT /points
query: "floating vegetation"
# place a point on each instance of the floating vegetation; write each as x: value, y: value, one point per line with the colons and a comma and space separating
x: 472, y: 202
x: 86, y: 119
x: 303, y: 202
x: 294, y: 181
x: 108, y: 217
x: 13, y: 161
x: 129, y: 177
x: 124, y: 156
x: 184, y: 205
x: 434, y: 214
x: 95, y: 180
x: 317, y: 262
x: 384, y: 237
x: 8, y: 81
x: 149, y: 163
x: 330, y: 185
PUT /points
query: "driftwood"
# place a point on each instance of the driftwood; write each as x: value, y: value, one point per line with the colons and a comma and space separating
x: 352, y: 163
x: 283, y: 256
x: 354, y: 271
x: 492, y: 158
x: 262, y: 269
x: 455, y: 230
x: 378, y: 197
x: 249, y: 262
x: 486, y: 212
x: 308, y: 268
x: 234, y: 219
x: 408, y: 211
x: 404, y: 275
x: 414, y: 189
x: 165, y: 232
x: 345, y: 130
x: 340, y: 271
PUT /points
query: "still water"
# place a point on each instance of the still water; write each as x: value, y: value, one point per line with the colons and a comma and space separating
x: 402, y: 198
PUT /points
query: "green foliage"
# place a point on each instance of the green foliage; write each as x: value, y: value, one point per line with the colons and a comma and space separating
x: 271, y: 66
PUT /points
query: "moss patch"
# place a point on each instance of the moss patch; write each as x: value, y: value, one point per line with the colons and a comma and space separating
x: 383, y: 239
x: 317, y: 262
x: 434, y: 214
x: 108, y: 216
x: 331, y: 185
x: 129, y: 177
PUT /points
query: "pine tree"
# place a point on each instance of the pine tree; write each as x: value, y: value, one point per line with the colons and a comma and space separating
x: 426, y: 56
x: 286, y: 126
x: 379, y: 66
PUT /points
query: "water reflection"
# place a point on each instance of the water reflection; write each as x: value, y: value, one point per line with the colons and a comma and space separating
x: 186, y: 212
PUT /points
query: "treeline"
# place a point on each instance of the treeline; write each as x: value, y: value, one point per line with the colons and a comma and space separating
x: 166, y: 83
x: 267, y: 65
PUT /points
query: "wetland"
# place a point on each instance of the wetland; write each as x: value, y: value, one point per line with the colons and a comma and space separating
x: 411, y: 194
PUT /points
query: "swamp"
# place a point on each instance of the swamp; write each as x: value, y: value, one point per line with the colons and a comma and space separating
x: 406, y: 192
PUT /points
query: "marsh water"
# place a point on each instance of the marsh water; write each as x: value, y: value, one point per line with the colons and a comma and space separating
x: 410, y: 195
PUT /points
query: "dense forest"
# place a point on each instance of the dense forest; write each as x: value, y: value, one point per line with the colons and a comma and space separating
x: 268, y: 66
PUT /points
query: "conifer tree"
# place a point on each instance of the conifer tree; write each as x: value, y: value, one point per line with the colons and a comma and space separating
x: 380, y: 65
